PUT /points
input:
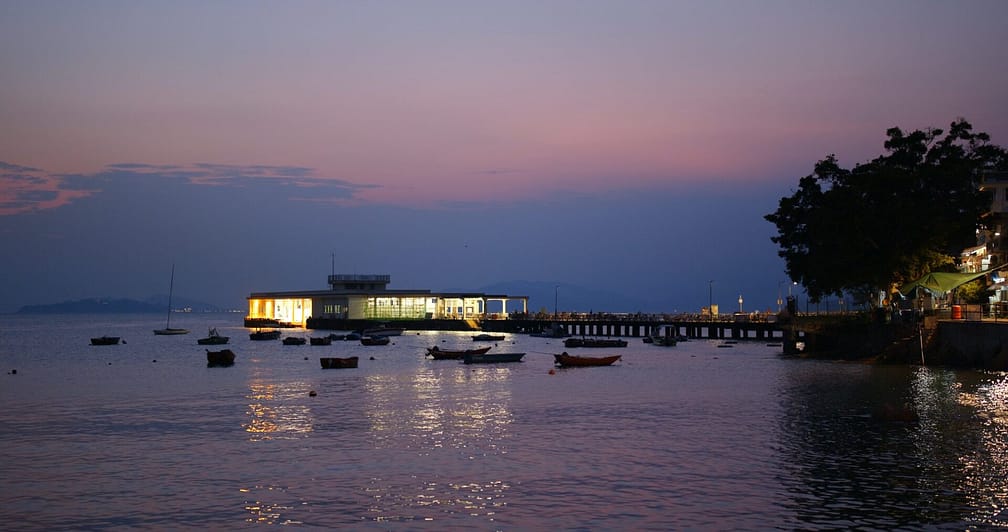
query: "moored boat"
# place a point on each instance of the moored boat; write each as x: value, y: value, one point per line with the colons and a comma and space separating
x: 443, y: 354
x: 565, y: 360
x: 265, y: 335
x: 105, y: 340
x: 213, y: 338
x: 169, y: 330
x: 594, y: 342
x: 375, y: 332
x: 294, y: 340
x: 491, y: 358
x: 222, y: 358
x: 374, y: 340
x: 665, y: 341
x: 320, y: 340
x: 337, y: 363
x: 484, y: 337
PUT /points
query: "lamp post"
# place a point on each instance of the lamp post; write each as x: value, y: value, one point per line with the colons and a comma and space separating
x: 556, y: 296
x: 779, y: 302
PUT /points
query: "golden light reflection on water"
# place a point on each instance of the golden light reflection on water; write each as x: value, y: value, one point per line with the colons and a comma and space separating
x: 267, y: 513
x: 981, y: 475
x: 448, y: 408
x: 447, y: 413
x: 428, y: 500
x: 277, y: 411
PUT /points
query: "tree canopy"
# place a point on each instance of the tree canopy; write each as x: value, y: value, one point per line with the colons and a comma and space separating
x: 888, y: 220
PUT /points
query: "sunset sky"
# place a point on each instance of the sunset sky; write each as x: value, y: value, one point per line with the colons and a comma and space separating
x: 626, y: 147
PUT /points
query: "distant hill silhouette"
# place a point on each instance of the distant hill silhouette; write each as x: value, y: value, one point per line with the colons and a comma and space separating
x: 108, y: 305
x: 568, y: 297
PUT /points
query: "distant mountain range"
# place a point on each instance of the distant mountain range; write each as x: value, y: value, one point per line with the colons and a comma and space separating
x: 568, y: 297
x: 108, y: 305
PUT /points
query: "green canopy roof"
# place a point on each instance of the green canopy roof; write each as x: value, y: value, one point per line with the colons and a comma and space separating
x: 941, y: 282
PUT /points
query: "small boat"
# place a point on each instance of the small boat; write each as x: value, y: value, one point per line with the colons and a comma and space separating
x: 105, y: 340
x: 320, y: 340
x: 169, y: 330
x: 555, y: 331
x: 565, y: 360
x: 265, y: 335
x: 213, y: 338
x: 441, y: 354
x: 337, y: 363
x: 666, y: 341
x: 484, y: 337
x: 374, y: 340
x: 294, y: 340
x: 335, y: 336
x: 382, y: 331
x: 492, y: 358
x: 222, y: 358
x: 594, y: 342
x: 351, y: 337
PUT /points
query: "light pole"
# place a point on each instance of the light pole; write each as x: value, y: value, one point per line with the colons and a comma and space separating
x: 779, y: 284
x: 556, y: 296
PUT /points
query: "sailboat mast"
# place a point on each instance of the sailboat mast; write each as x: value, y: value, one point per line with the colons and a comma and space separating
x: 171, y: 289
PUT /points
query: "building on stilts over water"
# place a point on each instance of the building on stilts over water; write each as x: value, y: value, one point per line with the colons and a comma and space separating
x: 367, y: 297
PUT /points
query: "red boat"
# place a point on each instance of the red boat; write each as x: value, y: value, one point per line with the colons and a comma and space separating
x: 565, y: 360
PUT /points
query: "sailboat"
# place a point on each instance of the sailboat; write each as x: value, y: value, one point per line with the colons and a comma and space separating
x: 168, y: 328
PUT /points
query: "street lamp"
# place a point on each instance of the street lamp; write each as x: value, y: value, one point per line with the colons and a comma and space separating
x: 779, y: 302
x: 556, y: 296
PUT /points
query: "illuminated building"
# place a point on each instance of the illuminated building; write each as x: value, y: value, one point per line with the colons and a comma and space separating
x: 367, y: 297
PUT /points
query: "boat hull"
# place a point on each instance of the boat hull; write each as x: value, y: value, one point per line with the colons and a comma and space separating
x: 316, y: 340
x: 105, y: 340
x: 565, y: 360
x: 264, y: 335
x: 374, y: 340
x: 338, y: 363
x: 439, y: 354
x: 593, y: 342
x: 222, y: 358
x: 488, y: 358
x: 213, y: 340
x: 171, y: 331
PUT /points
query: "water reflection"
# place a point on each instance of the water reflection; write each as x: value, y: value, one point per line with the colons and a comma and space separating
x: 277, y: 411
x: 449, y: 415
x: 977, y: 410
x: 895, y: 446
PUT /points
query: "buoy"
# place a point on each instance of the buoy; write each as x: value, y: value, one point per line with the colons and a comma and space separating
x: 552, y: 372
x: 155, y: 360
x: 372, y: 358
x: 312, y: 393
x: 306, y: 358
x: 13, y: 372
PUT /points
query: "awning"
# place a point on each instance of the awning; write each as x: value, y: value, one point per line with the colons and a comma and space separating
x: 941, y: 283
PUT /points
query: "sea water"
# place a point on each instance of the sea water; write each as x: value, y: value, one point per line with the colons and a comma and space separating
x: 696, y: 436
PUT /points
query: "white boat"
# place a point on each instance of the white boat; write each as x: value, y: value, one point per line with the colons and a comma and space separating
x: 168, y: 328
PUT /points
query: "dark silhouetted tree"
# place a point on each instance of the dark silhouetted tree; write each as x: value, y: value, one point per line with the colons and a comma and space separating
x: 888, y: 220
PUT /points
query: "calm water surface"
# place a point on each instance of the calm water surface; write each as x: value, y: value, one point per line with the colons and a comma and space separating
x: 144, y: 435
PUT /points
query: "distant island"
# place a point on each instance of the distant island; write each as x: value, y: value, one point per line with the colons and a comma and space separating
x: 107, y: 305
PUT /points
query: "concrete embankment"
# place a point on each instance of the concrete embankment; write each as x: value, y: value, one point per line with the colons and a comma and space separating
x: 953, y: 343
